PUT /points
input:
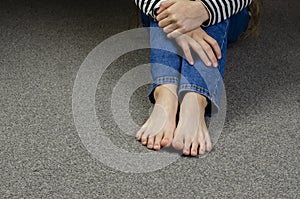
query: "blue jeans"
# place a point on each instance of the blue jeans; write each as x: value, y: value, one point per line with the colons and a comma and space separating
x: 169, y: 67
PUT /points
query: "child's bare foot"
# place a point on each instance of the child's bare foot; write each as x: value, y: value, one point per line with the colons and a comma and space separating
x: 159, y: 129
x: 191, y: 134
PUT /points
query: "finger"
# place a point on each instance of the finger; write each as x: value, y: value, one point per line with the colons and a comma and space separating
x: 209, y: 52
x: 198, y: 49
x: 187, y: 53
x: 162, y: 14
x: 164, y: 5
x: 214, y: 44
x: 161, y: 9
x: 174, y: 34
x: 179, y: 31
x: 169, y: 28
x: 164, y: 23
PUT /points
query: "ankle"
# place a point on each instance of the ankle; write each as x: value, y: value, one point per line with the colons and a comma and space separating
x: 193, y: 97
x: 166, y: 91
x: 202, y: 100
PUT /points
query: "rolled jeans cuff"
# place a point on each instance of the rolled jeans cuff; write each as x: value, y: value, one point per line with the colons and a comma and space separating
x: 159, y: 81
x: 213, y: 102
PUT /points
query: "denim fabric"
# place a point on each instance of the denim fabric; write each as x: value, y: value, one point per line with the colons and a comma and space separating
x: 238, y: 24
x: 169, y: 67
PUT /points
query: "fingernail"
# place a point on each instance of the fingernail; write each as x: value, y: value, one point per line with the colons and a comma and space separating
x: 208, y: 63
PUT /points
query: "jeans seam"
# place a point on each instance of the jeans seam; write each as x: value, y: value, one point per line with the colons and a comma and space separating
x: 225, y: 34
x: 217, y: 82
x: 166, y: 79
x: 191, y: 86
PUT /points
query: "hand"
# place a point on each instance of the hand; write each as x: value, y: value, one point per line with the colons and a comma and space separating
x: 177, y: 17
x: 205, y: 46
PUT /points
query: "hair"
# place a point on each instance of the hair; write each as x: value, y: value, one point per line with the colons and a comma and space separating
x: 253, y: 27
x: 255, y: 10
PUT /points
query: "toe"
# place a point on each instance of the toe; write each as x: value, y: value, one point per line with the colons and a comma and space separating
x: 157, y: 141
x: 208, y: 143
x: 187, y: 147
x: 178, y: 145
x: 177, y: 142
x: 168, y: 137
x: 202, y: 147
x: 139, y: 134
x: 144, y: 139
x: 150, y: 142
x: 194, y: 149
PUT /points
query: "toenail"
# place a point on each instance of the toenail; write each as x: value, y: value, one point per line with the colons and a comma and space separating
x: 165, y: 141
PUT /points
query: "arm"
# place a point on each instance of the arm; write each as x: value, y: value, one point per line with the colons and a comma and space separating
x: 219, y: 10
x: 149, y: 6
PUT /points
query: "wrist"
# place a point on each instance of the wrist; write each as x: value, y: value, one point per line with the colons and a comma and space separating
x: 205, y: 14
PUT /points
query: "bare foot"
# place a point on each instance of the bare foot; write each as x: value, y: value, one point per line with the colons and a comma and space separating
x: 191, y: 134
x: 159, y: 129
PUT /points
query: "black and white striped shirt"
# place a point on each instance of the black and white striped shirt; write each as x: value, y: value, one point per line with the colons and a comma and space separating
x: 219, y: 10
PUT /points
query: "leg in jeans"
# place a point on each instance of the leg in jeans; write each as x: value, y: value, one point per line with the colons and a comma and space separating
x: 201, y: 89
x: 199, y: 86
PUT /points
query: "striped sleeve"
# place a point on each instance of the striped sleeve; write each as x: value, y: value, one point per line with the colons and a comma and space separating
x: 148, y: 6
x: 219, y: 10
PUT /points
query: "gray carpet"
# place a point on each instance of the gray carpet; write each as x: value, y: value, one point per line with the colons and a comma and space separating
x: 42, y: 45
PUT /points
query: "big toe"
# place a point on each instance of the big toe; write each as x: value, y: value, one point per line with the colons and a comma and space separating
x: 177, y: 143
